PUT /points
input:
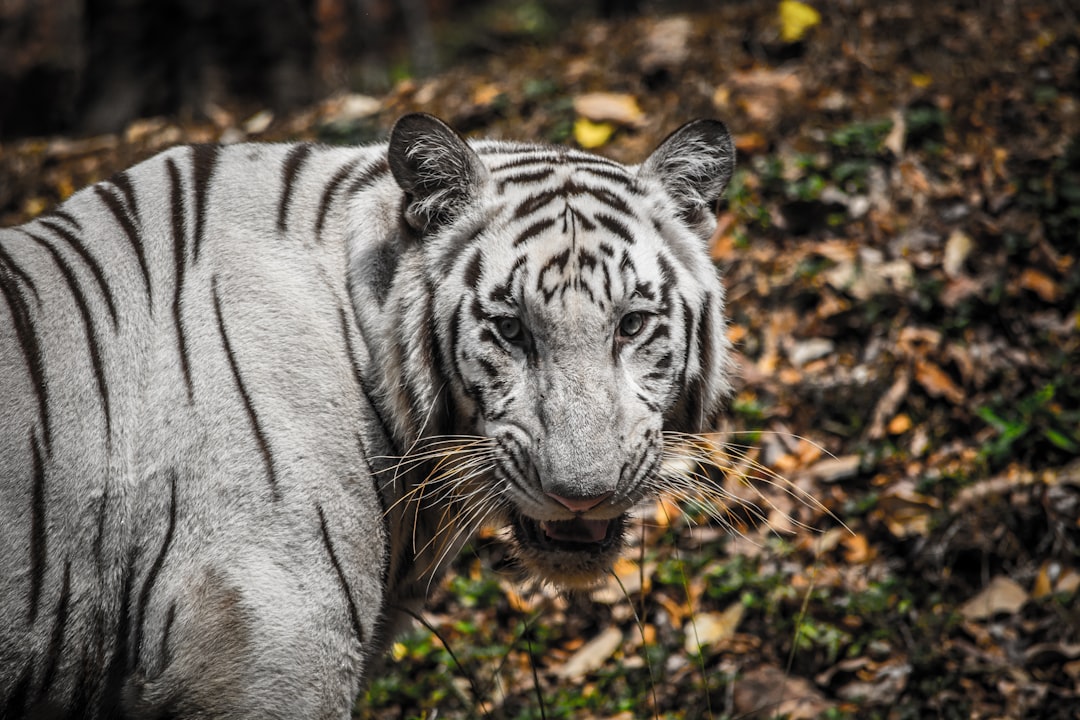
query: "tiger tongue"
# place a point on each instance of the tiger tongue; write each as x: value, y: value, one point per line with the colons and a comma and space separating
x: 577, y: 530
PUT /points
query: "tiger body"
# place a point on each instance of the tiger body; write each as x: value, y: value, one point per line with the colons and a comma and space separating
x: 213, y: 365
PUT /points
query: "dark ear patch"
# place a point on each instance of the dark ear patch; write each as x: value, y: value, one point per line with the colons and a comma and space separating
x: 439, y: 173
x: 694, y: 165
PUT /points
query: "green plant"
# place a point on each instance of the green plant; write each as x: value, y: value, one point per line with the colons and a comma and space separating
x: 1029, y: 424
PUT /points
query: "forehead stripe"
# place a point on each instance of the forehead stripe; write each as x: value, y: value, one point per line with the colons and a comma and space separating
x: 533, y: 230
x: 616, y: 227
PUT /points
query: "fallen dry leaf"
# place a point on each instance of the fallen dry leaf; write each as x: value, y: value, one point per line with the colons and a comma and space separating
x: 937, y: 382
x: 591, y: 655
x: 1001, y: 595
x: 767, y: 692
x: 1040, y: 283
x: 708, y: 629
x: 858, y: 549
x: 603, y: 107
x: 957, y: 249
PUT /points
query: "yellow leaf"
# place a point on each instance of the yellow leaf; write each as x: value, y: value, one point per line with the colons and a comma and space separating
x: 592, y: 135
x: 795, y: 19
x: 708, y: 629
x: 921, y: 80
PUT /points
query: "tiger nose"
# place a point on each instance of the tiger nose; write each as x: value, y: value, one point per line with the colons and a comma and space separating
x: 579, y: 504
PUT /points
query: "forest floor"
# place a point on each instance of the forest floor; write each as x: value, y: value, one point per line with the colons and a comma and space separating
x: 900, y: 248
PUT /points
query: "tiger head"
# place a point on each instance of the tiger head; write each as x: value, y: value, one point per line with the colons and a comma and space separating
x: 559, y: 321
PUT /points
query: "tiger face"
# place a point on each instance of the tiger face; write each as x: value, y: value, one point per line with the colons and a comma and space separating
x: 576, y: 318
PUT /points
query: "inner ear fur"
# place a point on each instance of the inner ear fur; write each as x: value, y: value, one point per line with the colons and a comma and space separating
x: 694, y: 165
x: 439, y: 173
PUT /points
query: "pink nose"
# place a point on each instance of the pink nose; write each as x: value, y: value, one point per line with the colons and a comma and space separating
x: 579, y: 505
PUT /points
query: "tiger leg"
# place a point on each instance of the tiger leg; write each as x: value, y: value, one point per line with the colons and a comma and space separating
x: 236, y: 646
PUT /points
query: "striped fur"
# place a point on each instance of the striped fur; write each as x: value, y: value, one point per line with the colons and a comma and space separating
x: 255, y: 396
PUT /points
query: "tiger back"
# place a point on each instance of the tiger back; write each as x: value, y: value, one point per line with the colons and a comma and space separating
x: 255, y: 396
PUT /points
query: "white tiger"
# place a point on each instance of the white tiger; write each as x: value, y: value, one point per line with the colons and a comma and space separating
x: 254, y: 396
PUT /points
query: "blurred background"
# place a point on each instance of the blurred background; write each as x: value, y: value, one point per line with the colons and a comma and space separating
x: 91, y: 66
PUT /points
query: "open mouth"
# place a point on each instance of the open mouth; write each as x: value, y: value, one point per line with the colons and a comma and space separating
x: 575, y: 535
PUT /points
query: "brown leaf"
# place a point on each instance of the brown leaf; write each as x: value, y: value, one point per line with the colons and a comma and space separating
x: 858, y: 549
x: 904, y: 511
x: 708, y: 629
x: 767, y: 691
x: 1041, y: 284
x: 937, y: 382
x: 618, y: 108
x: 1002, y: 595
x: 592, y: 655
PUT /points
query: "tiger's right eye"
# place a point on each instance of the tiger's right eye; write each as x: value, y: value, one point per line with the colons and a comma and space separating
x: 510, y: 329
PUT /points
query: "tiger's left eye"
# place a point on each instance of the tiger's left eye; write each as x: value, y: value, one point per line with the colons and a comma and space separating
x: 631, y: 324
x: 510, y: 328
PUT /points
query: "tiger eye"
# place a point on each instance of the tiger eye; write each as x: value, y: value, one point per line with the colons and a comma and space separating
x: 509, y: 328
x: 631, y: 324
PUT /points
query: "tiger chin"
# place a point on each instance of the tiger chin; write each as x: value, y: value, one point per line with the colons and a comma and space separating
x: 257, y: 396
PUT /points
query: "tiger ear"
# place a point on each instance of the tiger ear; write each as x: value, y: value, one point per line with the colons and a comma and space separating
x: 694, y: 165
x: 439, y: 173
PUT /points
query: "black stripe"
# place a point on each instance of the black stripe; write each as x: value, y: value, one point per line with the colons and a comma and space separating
x: 533, y: 230
x: 117, y: 670
x: 607, y: 282
x: 39, y: 555
x: 452, y: 339
x: 502, y: 293
x: 63, y: 215
x: 28, y: 343
x: 328, y: 195
x: 354, y: 618
x: 514, y: 453
x: 688, y: 338
x: 152, y: 573
x: 15, y: 704
x: 87, y: 258
x: 616, y: 227
x: 99, y: 537
x: 293, y: 161
x: 56, y: 638
x: 361, y: 381
x: 667, y: 282
x: 124, y: 220
x: 93, y: 341
x: 365, y: 389
x: 8, y: 264
x: 614, y: 174
x: 704, y: 338
x: 474, y: 269
x: 203, y: 161
x: 524, y: 178
x: 371, y: 173
x: 123, y: 181
x: 602, y: 195
x: 179, y: 232
x: 527, y: 156
x: 164, y: 656
x: 253, y: 418
x: 534, y: 203
x: 660, y: 332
